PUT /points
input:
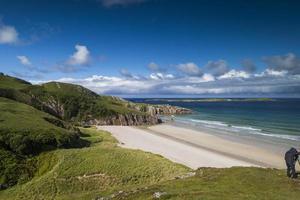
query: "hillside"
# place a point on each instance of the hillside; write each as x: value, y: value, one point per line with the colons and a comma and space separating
x: 76, y: 104
x: 8, y: 82
x: 25, y: 132
x: 102, y: 168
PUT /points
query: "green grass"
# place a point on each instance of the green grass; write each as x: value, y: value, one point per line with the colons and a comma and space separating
x: 104, y: 169
x: 69, y: 102
x: 108, y: 168
x: 226, y: 184
x: 79, y: 104
x: 26, y: 131
x: 9, y: 82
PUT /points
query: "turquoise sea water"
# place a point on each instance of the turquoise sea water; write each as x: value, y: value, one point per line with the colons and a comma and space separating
x: 279, y: 118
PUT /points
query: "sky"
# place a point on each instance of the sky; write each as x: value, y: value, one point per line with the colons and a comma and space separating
x: 155, y: 48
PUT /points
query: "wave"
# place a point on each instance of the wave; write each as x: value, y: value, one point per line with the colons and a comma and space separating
x: 247, y: 128
x: 286, y: 137
x: 240, y: 129
x: 209, y: 122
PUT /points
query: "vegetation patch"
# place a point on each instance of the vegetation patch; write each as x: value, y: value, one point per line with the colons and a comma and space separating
x: 25, y: 132
x: 100, y: 169
x: 231, y: 183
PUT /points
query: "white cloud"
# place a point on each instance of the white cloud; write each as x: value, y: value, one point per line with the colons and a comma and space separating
x: 8, y: 34
x: 271, y: 72
x: 80, y: 57
x: 161, y: 76
x: 76, y: 62
x: 276, y: 73
x: 234, y: 74
x: 208, y: 77
x: 190, y: 69
x: 24, y: 60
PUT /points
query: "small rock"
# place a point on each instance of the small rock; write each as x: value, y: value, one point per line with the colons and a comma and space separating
x: 157, y: 195
x: 187, y: 175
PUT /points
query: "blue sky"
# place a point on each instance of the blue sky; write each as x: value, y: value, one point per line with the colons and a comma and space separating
x: 155, y: 47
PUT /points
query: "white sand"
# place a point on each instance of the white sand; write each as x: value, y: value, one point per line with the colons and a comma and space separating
x: 248, y: 150
x: 191, y: 148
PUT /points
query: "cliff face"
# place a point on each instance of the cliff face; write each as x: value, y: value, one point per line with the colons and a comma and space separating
x: 146, y: 115
x: 155, y: 110
x: 151, y: 115
x: 126, y: 120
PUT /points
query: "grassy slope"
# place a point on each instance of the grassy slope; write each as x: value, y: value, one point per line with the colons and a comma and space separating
x: 25, y: 132
x: 64, y: 90
x: 110, y: 169
x: 232, y: 184
x: 79, y: 103
x: 9, y: 82
x: 22, y: 125
x: 107, y: 167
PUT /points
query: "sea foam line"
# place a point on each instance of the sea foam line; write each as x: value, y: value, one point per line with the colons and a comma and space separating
x: 249, y: 129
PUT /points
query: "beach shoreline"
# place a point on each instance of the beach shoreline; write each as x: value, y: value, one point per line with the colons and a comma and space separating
x: 195, y: 148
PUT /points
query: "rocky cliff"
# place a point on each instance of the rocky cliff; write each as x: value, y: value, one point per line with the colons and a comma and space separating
x: 155, y: 110
x: 151, y: 116
x: 126, y: 120
x: 167, y: 110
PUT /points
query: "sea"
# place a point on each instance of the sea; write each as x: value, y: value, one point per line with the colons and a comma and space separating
x: 270, y: 118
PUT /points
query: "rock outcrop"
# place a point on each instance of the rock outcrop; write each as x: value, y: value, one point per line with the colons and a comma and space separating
x: 167, y: 110
x: 126, y: 120
x: 155, y: 110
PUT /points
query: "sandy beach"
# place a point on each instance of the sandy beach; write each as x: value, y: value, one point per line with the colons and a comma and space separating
x: 194, y: 148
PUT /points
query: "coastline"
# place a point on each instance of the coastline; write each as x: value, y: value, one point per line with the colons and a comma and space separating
x: 263, y: 153
x: 195, y: 148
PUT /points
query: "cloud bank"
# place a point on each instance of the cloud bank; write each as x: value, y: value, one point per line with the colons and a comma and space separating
x: 233, y: 83
x: 280, y: 78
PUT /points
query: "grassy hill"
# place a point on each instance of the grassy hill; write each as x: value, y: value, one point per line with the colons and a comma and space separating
x: 73, y: 103
x: 101, y: 169
x: 76, y: 103
x: 9, y: 82
x: 105, y: 170
x: 26, y: 131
